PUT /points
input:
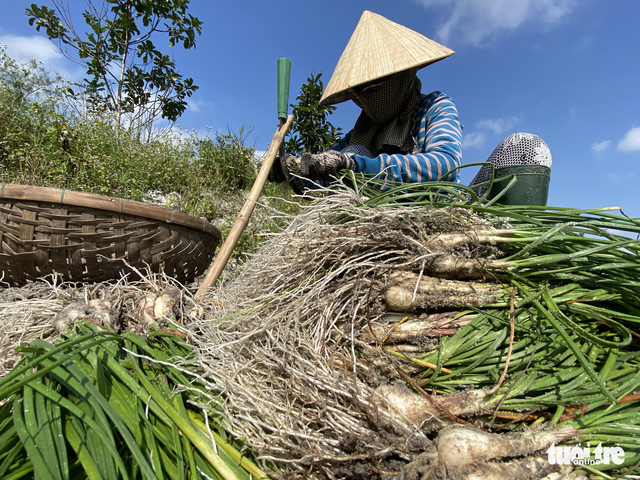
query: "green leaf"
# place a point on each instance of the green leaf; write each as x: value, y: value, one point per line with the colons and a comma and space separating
x: 26, y: 425
x: 550, y: 315
x: 79, y: 445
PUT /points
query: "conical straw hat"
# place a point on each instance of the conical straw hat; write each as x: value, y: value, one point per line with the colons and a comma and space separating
x: 379, y: 47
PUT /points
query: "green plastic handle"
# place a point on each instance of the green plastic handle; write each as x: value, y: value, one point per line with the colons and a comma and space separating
x: 284, y: 74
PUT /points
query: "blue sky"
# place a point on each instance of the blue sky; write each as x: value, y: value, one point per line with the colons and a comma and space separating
x: 567, y: 70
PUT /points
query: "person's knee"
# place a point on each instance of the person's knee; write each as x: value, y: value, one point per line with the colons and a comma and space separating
x: 521, y: 148
x: 517, y: 149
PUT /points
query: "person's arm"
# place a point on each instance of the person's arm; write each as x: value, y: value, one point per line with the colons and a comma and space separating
x: 438, y: 134
x: 342, y: 143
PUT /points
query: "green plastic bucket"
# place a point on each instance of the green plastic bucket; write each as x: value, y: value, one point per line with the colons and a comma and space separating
x: 531, y: 185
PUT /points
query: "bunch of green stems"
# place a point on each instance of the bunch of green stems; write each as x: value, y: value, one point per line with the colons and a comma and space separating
x: 569, y: 361
x: 566, y: 330
x: 102, y: 405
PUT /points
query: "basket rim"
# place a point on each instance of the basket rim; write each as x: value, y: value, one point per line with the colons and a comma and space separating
x: 14, y: 191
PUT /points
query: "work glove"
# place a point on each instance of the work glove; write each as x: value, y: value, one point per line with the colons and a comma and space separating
x: 325, y: 165
x: 283, y: 168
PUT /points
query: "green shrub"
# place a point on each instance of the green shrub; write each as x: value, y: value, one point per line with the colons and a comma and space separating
x: 51, y: 138
x: 226, y: 163
x: 48, y: 138
x: 29, y: 121
x: 311, y: 131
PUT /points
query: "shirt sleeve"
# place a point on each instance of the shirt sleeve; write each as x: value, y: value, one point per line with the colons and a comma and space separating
x: 438, y: 134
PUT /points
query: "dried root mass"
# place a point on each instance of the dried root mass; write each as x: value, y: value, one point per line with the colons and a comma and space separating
x: 43, y: 309
x: 293, y: 341
x: 300, y: 343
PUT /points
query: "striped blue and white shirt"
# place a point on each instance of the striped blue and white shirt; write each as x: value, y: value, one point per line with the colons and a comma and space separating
x: 438, y: 135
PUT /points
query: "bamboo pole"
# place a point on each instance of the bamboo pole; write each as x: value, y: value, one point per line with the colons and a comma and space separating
x: 214, y: 271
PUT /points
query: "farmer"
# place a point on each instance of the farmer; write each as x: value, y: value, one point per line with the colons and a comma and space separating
x: 401, y: 133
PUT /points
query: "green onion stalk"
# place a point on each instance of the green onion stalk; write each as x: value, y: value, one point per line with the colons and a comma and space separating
x: 560, y: 345
x: 102, y: 405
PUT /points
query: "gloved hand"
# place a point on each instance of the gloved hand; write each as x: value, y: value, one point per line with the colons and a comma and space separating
x: 325, y: 165
x: 282, y: 169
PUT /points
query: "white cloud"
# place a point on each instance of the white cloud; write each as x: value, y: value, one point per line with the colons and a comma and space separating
x: 28, y: 47
x: 199, y: 106
x: 600, y: 147
x: 474, y: 140
x: 486, y: 126
x: 259, y: 155
x: 474, y: 21
x: 499, y: 125
x: 631, y: 141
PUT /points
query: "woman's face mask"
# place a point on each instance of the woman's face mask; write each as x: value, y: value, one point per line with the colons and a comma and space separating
x: 382, y: 100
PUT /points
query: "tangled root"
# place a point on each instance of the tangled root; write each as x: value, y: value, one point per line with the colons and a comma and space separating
x: 291, y: 342
x: 41, y: 310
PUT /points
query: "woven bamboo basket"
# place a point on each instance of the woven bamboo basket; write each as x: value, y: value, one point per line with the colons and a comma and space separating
x: 85, y: 237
